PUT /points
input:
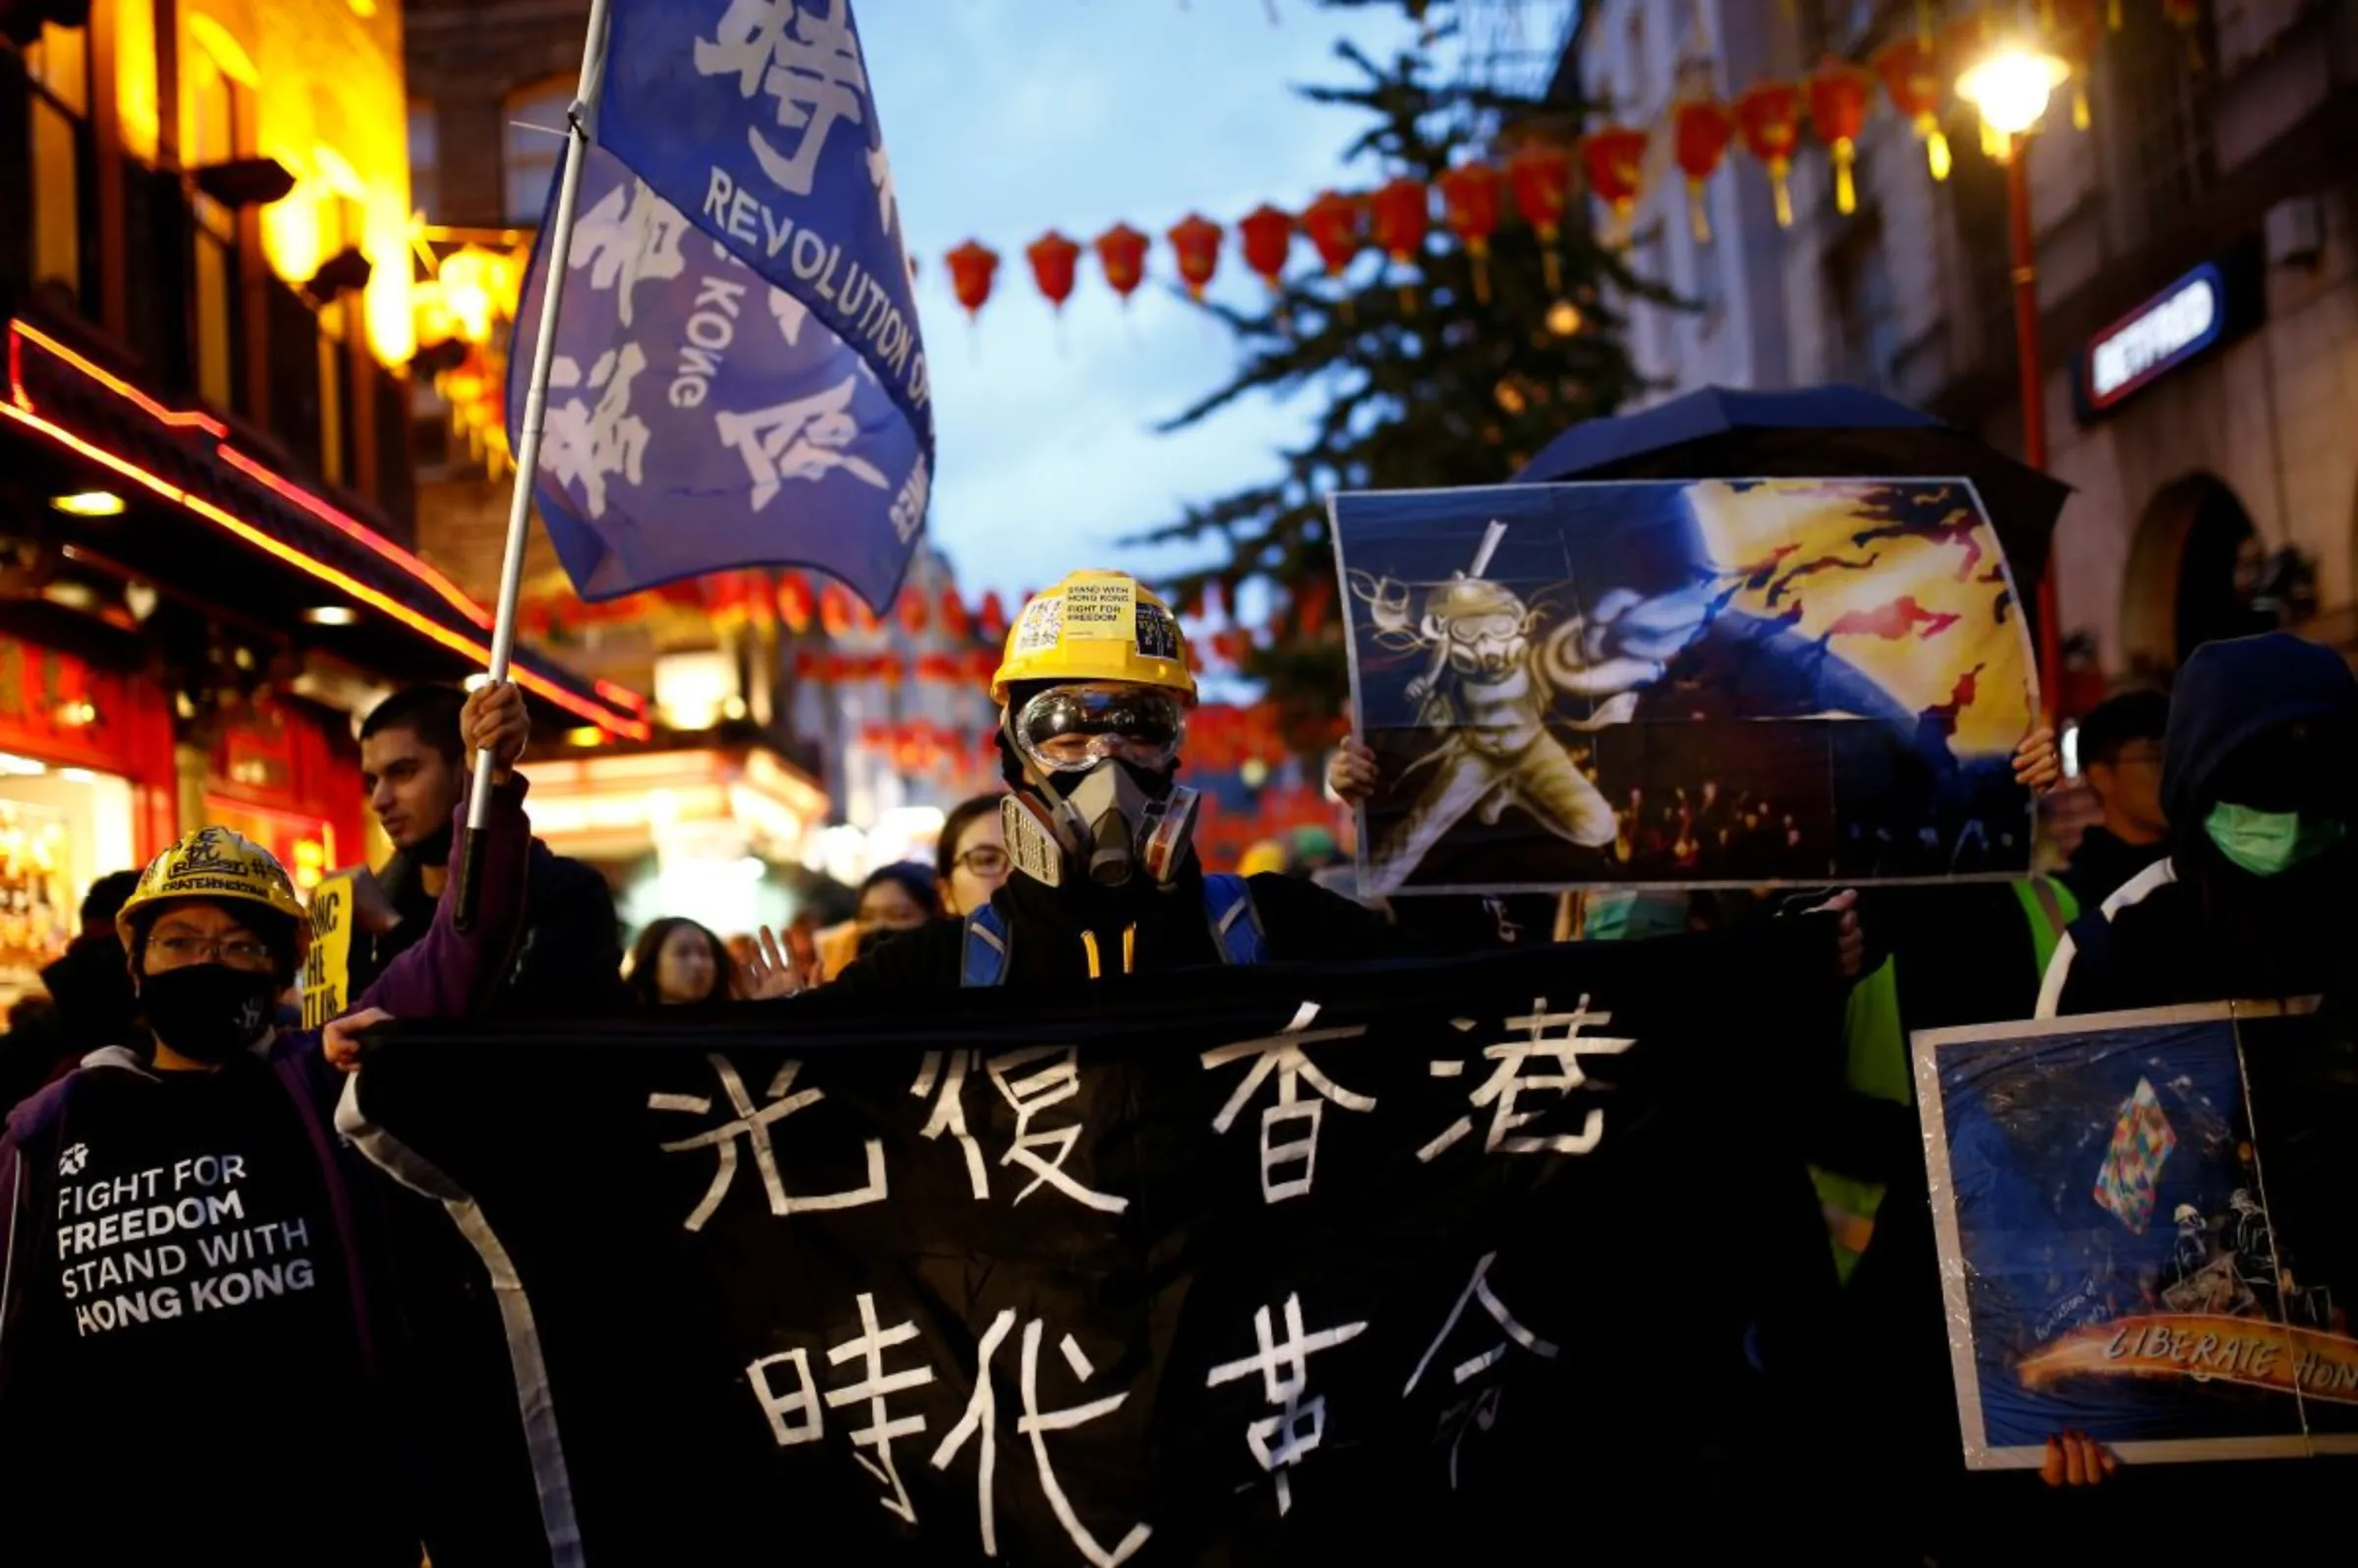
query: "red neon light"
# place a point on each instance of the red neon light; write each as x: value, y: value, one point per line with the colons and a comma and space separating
x: 457, y: 597
x: 529, y: 680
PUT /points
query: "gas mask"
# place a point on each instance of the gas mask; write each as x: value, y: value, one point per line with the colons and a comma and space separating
x: 1099, y: 805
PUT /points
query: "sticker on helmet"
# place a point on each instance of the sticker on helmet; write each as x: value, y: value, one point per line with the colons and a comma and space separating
x: 1100, y: 609
x: 1041, y: 626
x: 1158, y: 634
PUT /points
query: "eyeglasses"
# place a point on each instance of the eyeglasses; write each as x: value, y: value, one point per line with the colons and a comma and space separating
x: 984, y: 859
x: 239, y: 952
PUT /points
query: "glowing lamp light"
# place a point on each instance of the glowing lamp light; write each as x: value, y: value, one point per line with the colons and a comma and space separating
x: 332, y: 615
x: 89, y: 503
x: 1563, y: 318
x: 2010, y: 85
x: 585, y: 735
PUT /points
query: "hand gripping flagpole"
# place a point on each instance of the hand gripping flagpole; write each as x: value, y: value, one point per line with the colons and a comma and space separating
x: 527, y: 449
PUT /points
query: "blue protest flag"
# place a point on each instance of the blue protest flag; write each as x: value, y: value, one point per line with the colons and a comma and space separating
x: 739, y: 378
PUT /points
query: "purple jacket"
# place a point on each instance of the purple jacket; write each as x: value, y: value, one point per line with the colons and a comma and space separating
x: 444, y: 976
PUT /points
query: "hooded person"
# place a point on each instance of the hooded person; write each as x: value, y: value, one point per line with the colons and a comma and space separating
x: 196, y: 1362
x: 1094, y: 696
x: 2260, y: 787
x: 91, y: 988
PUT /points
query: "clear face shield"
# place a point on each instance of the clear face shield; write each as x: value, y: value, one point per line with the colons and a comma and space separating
x: 1101, y: 755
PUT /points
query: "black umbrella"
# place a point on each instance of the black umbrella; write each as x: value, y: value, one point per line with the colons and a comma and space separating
x: 1826, y: 432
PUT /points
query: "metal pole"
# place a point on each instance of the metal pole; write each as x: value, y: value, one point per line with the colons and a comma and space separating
x: 527, y: 449
x: 2034, y: 403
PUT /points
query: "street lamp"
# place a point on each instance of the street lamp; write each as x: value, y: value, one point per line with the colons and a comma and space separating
x: 2009, y: 87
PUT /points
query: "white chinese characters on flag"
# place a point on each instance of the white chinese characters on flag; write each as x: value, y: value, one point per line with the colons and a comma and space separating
x: 739, y: 378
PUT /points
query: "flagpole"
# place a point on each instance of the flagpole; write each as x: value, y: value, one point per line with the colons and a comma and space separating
x: 527, y: 449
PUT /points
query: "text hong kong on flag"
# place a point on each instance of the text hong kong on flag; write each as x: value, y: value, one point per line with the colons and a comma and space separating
x: 739, y: 378
x: 1312, y: 1266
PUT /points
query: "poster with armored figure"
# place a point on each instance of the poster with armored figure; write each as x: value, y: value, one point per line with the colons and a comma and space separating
x: 2144, y: 1231
x: 1716, y: 682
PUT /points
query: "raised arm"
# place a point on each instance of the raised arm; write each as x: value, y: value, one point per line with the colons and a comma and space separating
x: 447, y: 975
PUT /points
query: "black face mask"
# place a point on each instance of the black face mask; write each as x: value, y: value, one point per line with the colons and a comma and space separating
x: 873, y: 937
x: 209, y: 1012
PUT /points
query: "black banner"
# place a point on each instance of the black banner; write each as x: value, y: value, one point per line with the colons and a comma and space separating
x: 1257, y: 1265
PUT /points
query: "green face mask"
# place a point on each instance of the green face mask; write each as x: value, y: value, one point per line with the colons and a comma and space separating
x: 2266, y: 843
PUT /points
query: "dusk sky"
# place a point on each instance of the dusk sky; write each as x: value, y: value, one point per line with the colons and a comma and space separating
x: 1005, y: 118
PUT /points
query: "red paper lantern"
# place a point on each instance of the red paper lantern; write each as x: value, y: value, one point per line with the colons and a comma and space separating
x: 1838, y: 109
x: 1400, y: 215
x: 992, y: 616
x: 1700, y: 131
x: 1541, y: 175
x: 1910, y: 66
x: 1122, y: 253
x: 1615, y: 159
x: 914, y: 612
x: 1335, y: 223
x: 1052, y: 257
x: 1768, y: 118
x: 955, y: 622
x: 794, y: 602
x: 835, y: 610
x: 863, y: 616
x: 1470, y: 206
x: 1195, y: 241
x: 972, y: 268
x: 1266, y: 237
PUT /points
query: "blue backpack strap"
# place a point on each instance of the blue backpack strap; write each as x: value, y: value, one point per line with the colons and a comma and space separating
x: 1235, y: 926
x: 986, y: 959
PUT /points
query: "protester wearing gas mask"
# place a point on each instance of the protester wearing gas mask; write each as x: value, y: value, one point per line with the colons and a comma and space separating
x: 193, y: 1253
x: 2259, y: 785
x: 1094, y: 696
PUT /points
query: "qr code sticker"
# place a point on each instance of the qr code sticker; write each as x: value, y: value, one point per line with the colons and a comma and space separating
x: 1042, y: 624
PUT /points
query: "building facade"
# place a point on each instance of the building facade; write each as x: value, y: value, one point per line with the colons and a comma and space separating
x: 205, y: 500
x: 2197, y: 276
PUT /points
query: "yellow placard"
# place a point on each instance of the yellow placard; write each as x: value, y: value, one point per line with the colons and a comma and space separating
x: 1100, y: 608
x: 327, y: 971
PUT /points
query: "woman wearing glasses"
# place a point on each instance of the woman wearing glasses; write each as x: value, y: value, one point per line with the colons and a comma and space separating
x: 971, y: 858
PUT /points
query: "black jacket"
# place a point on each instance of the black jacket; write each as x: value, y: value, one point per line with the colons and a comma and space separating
x: 570, y: 959
x: 2103, y: 864
x: 2192, y: 928
x: 1303, y: 922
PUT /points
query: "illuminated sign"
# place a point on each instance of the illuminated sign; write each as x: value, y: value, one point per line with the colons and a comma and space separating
x: 2164, y: 332
x: 2214, y: 303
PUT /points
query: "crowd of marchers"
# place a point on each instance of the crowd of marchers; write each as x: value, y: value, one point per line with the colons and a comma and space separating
x: 193, y: 1256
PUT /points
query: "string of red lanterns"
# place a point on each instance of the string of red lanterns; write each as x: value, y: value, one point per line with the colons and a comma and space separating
x: 1768, y: 120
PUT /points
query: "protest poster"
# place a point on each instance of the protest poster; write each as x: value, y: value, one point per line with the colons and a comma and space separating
x: 2144, y: 1231
x: 1722, y: 683
x: 327, y: 965
x: 1312, y: 1265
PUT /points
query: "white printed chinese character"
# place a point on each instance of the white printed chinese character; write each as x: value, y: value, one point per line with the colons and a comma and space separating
x: 879, y: 174
x: 873, y: 1386
x: 789, y: 313
x: 803, y: 438
x: 1279, y: 1442
x: 1507, y: 1083
x: 1289, y: 1129
x: 948, y: 1070
x: 808, y: 62
x: 1030, y: 1096
x: 623, y: 247
x: 753, y: 1125
x: 1478, y: 1289
x: 981, y: 1418
x: 793, y: 1416
x: 586, y: 446
x: 909, y: 507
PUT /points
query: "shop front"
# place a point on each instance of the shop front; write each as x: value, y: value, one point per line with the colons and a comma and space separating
x: 288, y: 776
x: 86, y: 789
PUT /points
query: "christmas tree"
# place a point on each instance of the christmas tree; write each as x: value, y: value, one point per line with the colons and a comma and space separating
x: 1432, y: 375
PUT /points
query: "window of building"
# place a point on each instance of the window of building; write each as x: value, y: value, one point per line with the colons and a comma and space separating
x: 58, y: 67
x: 214, y: 118
x: 2169, y: 103
x: 532, y: 136
x: 1858, y: 286
x: 425, y: 160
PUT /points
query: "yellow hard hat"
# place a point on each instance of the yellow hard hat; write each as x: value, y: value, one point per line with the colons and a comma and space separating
x: 1096, y: 626
x: 219, y: 866
x: 1266, y: 856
